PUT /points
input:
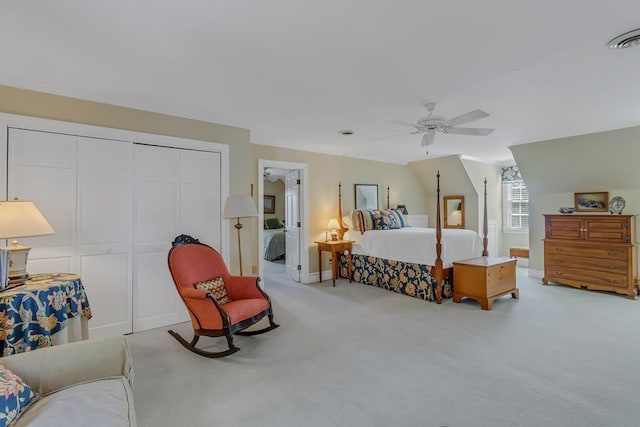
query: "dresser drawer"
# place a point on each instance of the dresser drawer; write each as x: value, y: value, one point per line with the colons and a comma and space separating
x: 587, y: 251
x: 560, y: 274
x: 603, y: 264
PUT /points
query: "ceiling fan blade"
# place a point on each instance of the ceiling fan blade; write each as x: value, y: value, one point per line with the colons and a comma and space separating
x: 428, y: 138
x: 397, y: 135
x: 468, y: 131
x: 466, y: 117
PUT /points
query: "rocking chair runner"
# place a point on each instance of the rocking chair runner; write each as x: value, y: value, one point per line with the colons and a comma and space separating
x: 192, y: 262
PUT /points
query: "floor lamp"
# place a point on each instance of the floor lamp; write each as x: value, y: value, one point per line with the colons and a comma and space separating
x: 237, y: 207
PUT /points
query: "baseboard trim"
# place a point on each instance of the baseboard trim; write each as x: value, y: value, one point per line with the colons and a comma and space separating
x: 536, y: 274
x: 315, y: 277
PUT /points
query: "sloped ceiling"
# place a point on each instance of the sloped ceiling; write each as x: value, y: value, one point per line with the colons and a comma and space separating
x: 594, y: 162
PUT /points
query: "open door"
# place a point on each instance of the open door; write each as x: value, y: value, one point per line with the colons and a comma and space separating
x: 292, y: 223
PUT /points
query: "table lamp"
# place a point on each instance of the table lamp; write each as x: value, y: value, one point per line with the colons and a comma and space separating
x: 19, y: 218
x: 333, y: 225
x: 240, y: 206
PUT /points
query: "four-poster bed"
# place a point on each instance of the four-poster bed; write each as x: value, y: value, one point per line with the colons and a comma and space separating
x: 414, y: 261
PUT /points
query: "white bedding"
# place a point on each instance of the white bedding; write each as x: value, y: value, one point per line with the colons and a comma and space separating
x: 417, y: 245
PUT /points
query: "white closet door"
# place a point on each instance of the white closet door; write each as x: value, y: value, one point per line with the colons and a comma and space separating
x: 177, y: 192
x: 157, y: 207
x: 104, y: 227
x: 200, y: 214
x: 42, y: 169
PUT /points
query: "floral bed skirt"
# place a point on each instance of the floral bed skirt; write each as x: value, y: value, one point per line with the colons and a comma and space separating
x: 404, y: 278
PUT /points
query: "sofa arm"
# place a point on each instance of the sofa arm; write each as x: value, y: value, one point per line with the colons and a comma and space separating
x: 49, y: 369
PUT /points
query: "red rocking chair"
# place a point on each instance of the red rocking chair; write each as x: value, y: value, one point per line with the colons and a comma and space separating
x: 219, y: 304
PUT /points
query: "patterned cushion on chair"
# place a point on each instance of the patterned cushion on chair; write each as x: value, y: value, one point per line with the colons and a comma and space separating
x: 216, y: 287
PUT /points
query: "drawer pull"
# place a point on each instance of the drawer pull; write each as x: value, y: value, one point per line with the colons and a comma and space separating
x: 612, y: 253
x: 559, y: 249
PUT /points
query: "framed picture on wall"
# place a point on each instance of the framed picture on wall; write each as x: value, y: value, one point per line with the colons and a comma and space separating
x: 269, y: 204
x: 592, y: 202
x: 366, y: 196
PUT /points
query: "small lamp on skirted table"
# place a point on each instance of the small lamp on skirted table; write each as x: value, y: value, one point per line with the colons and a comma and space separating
x: 18, y: 218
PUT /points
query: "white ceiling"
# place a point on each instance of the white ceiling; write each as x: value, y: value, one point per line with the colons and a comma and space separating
x: 296, y: 72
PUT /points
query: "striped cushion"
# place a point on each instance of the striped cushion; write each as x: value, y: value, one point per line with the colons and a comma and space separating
x: 364, y: 219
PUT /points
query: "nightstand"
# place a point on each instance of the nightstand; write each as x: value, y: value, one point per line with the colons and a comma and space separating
x: 335, y: 247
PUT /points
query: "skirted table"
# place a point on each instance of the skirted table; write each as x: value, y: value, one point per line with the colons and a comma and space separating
x: 47, y: 309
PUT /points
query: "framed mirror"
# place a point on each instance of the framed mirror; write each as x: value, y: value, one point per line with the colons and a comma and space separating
x: 453, y: 211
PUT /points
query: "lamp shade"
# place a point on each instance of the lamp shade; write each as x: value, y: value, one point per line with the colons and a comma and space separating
x: 240, y: 206
x: 333, y: 224
x: 21, y: 218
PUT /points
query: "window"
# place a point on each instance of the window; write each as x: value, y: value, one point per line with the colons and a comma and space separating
x: 515, y: 208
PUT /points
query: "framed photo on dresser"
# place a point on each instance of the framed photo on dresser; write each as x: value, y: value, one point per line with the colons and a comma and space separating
x: 592, y: 202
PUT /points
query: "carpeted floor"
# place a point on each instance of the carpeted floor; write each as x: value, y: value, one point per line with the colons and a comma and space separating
x: 355, y: 355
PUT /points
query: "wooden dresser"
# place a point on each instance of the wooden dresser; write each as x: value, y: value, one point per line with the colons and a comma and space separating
x: 592, y: 251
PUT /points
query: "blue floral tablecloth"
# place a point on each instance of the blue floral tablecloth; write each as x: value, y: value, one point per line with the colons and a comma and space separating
x: 32, y: 312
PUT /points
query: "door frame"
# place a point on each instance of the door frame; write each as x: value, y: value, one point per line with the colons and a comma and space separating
x: 304, y: 208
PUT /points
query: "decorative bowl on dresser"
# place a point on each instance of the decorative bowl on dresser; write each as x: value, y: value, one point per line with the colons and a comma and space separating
x: 597, y: 252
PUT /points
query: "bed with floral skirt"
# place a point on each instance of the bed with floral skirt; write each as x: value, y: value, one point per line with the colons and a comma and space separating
x: 407, y: 278
x: 416, y: 262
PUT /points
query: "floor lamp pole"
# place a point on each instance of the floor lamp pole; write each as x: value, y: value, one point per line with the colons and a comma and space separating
x: 238, y: 227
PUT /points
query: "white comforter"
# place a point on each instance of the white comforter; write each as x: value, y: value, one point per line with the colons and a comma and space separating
x: 417, y: 245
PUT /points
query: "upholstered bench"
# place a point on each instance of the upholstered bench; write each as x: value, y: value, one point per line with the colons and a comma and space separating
x: 519, y: 252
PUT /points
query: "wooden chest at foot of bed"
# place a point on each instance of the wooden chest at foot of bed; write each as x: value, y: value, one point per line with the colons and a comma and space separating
x: 484, y: 279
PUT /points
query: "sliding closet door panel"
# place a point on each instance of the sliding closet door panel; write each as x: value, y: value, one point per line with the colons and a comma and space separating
x: 42, y: 169
x: 104, y: 227
x: 156, y: 213
x: 201, y: 216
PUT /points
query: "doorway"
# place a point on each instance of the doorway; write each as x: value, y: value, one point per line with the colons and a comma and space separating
x: 292, y: 203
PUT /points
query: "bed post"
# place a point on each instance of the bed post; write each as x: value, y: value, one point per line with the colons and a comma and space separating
x: 438, y: 273
x: 342, y: 228
x: 388, y: 206
x: 485, y: 240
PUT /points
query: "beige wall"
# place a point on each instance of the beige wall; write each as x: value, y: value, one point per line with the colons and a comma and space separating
x: 324, y: 174
x: 465, y: 177
x: 555, y: 169
x: 42, y: 105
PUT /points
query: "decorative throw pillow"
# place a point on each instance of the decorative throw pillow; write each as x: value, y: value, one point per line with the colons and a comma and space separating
x: 397, y: 214
x: 385, y: 222
x: 217, y: 289
x: 15, y: 396
x: 364, y: 219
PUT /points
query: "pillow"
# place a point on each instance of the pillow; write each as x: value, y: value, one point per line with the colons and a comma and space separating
x: 272, y: 224
x: 347, y: 222
x: 15, y: 396
x: 364, y: 219
x: 385, y: 222
x: 397, y: 214
x: 216, y: 287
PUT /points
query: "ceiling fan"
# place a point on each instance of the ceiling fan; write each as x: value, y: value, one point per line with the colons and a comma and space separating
x: 431, y: 123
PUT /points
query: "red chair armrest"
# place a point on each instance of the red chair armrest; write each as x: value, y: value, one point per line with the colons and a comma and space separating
x: 194, y: 293
x: 243, y: 287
